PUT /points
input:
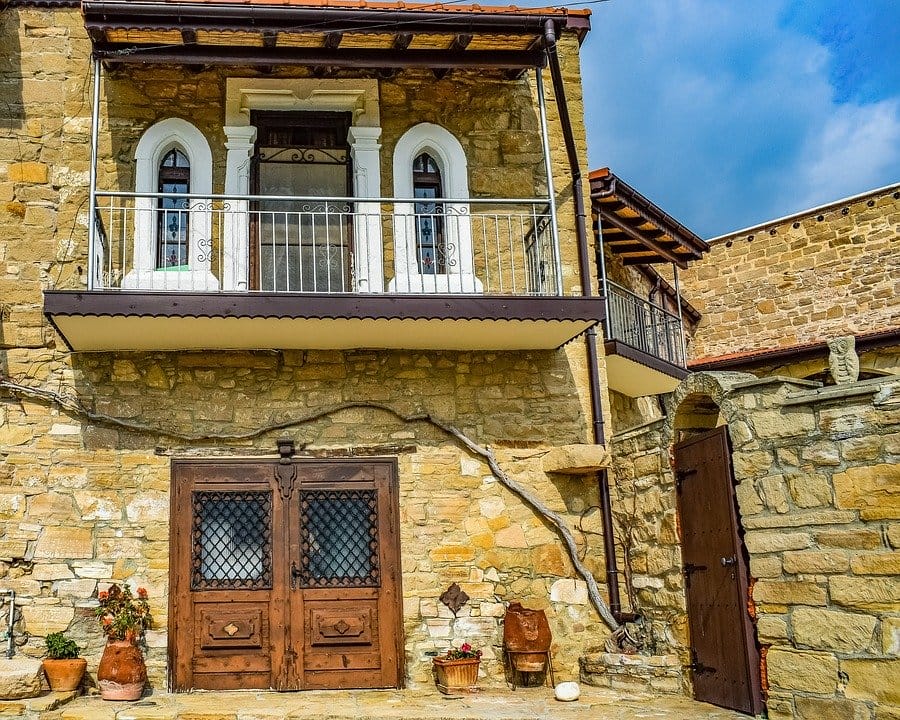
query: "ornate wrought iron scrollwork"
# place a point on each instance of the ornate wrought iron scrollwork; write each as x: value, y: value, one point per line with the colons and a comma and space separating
x: 204, y: 249
x: 339, y: 538
x: 231, y: 540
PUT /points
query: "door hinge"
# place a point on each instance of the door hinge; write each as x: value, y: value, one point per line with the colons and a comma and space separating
x: 682, y: 475
x: 692, y: 568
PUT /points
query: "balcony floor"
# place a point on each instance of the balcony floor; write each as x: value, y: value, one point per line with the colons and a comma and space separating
x: 145, y: 321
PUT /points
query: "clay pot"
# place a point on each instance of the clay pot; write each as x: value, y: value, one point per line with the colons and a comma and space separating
x: 122, y: 673
x: 526, y: 637
x: 64, y: 675
x: 456, y: 676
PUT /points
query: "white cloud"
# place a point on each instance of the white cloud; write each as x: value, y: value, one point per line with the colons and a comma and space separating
x: 855, y: 150
x: 726, y: 116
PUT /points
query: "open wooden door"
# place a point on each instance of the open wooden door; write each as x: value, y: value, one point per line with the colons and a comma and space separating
x: 725, y: 656
x: 285, y: 575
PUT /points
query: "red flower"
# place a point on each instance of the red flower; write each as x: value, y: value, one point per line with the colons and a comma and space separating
x: 142, y: 593
x: 102, y: 595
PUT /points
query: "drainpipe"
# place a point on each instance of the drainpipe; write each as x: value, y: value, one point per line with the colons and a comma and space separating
x: 609, y: 549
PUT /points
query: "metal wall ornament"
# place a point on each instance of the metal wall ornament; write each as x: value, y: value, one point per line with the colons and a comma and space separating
x: 454, y: 597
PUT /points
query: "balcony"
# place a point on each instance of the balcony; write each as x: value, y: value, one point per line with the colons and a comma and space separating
x: 645, y: 351
x: 171, y: 272
x: 644, y: 345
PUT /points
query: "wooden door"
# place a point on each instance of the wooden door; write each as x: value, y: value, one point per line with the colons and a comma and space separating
x: 725, y: 655
x: 285, y: 575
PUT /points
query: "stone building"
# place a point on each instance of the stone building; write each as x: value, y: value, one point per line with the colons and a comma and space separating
x: 758, y: 502
x: 302, y: 324
x: 298, y: 317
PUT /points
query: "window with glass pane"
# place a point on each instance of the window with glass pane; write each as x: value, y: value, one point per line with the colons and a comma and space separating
x: 339, y: 538
x: 173, y: 217
x: 232, y: 540
x: 430, y: 249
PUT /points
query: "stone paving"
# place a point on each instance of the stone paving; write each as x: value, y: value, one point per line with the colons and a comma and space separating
x: 490, y: 704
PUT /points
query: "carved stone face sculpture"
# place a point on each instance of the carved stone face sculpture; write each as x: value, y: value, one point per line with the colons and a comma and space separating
x: 843, y: 360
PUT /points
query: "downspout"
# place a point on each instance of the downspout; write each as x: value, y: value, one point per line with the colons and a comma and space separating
x: 609, y: 549
x: 92, y: 203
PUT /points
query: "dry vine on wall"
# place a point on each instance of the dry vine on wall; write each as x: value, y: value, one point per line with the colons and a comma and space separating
x: 75, y: 408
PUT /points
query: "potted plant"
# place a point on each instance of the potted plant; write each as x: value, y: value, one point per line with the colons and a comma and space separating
x: 62, y: 666
x: 457, y: 671
x: 123, y: 618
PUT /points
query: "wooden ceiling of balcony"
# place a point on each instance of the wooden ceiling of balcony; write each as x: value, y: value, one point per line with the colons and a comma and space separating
x: 383, y: 36
x: 637, y: 230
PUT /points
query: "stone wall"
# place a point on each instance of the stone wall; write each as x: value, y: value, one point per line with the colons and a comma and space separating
x: 817, y: 478
x: 85, y: 502
x: 829, y: 273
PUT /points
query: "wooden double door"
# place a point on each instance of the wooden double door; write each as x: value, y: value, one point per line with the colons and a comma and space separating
x: 285, y: 574
x: 725, y: 661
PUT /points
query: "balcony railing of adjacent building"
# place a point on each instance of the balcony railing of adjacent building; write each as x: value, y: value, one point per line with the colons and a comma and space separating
x: 221, y: 243
x: 643, y: 325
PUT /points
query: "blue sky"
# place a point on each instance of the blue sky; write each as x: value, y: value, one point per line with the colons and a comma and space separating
x: 731, y: 112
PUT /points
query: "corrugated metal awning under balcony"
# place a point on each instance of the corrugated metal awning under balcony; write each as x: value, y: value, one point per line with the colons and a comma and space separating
x: 142, y: 321
x: 325, y: 33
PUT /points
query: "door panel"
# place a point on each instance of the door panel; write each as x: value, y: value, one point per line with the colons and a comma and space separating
x: 285, y: 585
x: 725, y: 656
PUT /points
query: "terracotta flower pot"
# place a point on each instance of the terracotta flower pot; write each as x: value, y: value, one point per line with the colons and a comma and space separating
x: 122, y: 673
x: 64, y: 675
x: 456, y: 676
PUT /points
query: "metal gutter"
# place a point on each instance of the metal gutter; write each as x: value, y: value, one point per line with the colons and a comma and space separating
x: 297, y: 18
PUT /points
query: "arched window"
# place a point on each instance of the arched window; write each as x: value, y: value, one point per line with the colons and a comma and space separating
x: 173, y: 242
x: 433, y: 250
x: 173, y: 219
x: 430, y: 247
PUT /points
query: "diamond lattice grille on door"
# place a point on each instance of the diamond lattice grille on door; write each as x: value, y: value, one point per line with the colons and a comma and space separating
x: 339, y: 538
x: 232, y: 540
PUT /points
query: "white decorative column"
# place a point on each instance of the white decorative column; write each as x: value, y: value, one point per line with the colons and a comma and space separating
x: 368, y: 251
x: 239, y: 141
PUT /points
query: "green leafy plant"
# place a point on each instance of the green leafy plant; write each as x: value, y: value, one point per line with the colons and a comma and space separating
x: 463, y: 652
x: 59, y: 647
x: 123, y: 616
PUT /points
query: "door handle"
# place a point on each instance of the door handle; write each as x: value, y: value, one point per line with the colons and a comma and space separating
x: 295, y: 573
x: 726, y: 561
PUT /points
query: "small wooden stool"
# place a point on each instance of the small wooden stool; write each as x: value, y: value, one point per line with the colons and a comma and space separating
x: 547, y: 668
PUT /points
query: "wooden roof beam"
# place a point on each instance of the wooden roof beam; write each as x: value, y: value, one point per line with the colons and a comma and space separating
x: 402, y: 40
x: 635, y: 224
x: 648, y: 243
x: 342, y: 57
x: 460, y: 42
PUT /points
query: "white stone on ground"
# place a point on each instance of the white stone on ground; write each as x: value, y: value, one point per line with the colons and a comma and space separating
x: 567, y: 691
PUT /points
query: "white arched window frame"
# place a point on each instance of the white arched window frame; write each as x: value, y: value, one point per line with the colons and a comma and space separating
x: 153, y: 146
x: 450, y: 157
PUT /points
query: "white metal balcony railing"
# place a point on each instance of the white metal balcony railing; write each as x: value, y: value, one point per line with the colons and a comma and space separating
x: 643, y: 325
x: 222, y: 243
